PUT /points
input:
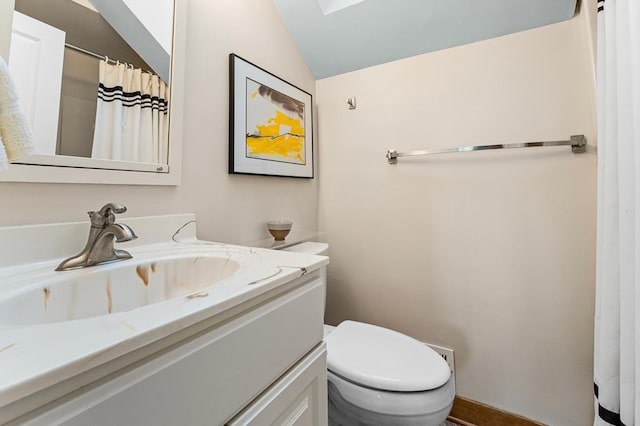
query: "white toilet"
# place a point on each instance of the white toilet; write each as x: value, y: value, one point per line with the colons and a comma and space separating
x: 377, y: 376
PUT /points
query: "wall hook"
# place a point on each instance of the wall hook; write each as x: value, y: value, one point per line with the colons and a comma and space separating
x: 351, y: 102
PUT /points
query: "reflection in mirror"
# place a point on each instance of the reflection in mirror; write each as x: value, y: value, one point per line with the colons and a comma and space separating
x: 99, y: 94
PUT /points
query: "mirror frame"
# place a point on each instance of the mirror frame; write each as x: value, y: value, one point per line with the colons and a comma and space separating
x: 70, y: 174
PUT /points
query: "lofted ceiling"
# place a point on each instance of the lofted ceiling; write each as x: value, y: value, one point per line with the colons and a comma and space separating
x: 338, y: 36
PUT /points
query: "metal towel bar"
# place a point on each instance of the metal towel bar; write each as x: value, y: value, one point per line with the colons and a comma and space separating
x: 578, y: 145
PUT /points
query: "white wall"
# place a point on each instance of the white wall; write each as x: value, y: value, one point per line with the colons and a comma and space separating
x: 489, y: 253
x: 230, y: 208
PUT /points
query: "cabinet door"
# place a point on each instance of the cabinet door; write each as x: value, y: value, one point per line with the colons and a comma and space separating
x: 299, y: 398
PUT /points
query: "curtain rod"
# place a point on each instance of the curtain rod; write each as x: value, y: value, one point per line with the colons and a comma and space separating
x: 90, y: 53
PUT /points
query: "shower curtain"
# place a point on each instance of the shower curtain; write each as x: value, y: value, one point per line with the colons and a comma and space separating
x: 617, y: 322
x: 132, y: 121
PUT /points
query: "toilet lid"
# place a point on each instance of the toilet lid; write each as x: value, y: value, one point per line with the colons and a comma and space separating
x: 383, y: 359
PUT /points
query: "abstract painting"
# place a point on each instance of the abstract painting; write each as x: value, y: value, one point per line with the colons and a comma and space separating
x: 271, y: 125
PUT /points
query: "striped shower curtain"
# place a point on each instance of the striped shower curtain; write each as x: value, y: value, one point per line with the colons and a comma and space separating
x: 617, y: 322
x: 132, y: 121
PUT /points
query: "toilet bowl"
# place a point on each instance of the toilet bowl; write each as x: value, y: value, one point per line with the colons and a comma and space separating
x: 378, y: 376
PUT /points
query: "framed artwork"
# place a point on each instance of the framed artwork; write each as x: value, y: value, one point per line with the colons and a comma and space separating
x: 270, y: 123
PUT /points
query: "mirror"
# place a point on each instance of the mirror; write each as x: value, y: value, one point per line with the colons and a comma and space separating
x: 94, y: 78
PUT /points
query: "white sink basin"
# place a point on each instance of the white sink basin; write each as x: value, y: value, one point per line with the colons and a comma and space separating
x: 118, y: 287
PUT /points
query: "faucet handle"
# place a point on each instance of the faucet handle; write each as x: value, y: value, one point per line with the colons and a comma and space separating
x: 106, y: 216
x: 113, y: 207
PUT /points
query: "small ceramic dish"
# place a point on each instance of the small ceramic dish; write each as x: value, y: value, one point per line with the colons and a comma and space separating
x: 279, y: 229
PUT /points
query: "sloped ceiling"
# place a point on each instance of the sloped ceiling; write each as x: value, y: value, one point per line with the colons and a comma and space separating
x: 132, y: 21
x: 347, y: 35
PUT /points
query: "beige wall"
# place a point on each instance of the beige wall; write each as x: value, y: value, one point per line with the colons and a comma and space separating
x: 588, y: 12
x: 489, y: 253
x: 230, y: 207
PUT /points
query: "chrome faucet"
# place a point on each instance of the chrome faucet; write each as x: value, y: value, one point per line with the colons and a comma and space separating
x: 100, y: 245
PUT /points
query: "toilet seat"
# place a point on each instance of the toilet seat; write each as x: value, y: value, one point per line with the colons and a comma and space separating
x: 403, y: 404
x: 383, y: 359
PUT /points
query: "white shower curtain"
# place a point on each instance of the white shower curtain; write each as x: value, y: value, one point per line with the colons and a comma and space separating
x: 132, y: 121
x: 617, y: 327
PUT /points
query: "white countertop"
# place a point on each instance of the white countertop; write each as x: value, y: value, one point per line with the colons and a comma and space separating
x: 295, y: 237
x: 35, y: 357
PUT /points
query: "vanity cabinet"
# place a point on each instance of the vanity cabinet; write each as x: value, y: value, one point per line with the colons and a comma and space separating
x: 264, y: 366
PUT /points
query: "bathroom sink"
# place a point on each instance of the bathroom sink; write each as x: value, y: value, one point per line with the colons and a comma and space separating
x: 62, y: 330
x: 117, y: 287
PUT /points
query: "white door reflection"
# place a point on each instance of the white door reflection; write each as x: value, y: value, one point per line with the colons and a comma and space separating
x: 35, y: 62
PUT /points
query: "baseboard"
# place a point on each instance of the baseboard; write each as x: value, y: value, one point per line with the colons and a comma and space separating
x: 456, y: 421
x: 472, y: 413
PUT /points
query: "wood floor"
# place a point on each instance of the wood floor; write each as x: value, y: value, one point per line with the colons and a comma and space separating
x: 467, y: 412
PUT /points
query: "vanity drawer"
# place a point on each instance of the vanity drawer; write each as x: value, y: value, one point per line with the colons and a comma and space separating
x: 297, y: 398
x: 207, y: 380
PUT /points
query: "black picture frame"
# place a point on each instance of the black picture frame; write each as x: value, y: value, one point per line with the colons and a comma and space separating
x: 270, y: 123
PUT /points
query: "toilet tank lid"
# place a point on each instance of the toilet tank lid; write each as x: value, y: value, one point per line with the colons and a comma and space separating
x: 384, y: 359
x: 309, y: 247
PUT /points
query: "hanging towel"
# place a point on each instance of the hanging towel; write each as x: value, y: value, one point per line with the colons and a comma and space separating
x: 16, y: 138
